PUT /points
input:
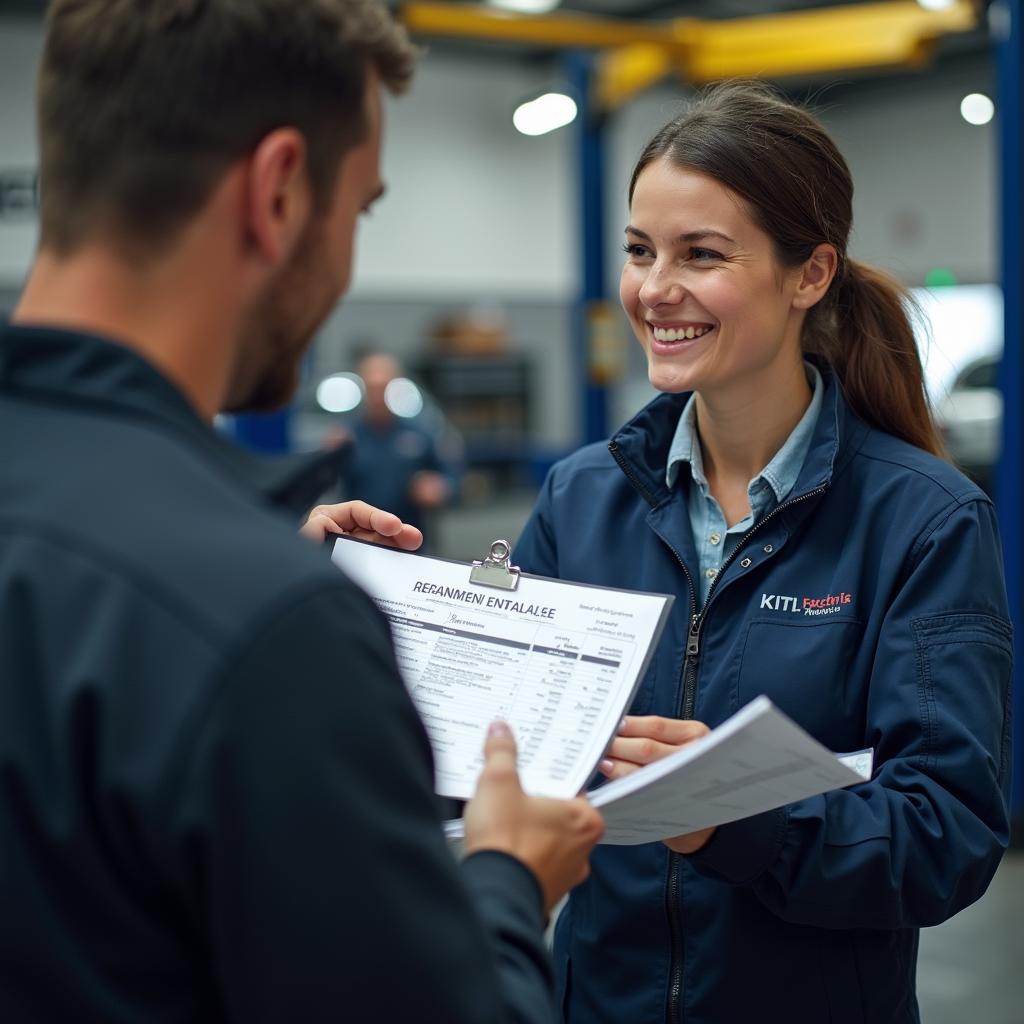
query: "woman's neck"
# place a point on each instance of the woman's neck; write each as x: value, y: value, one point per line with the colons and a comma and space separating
x: 742, y: 430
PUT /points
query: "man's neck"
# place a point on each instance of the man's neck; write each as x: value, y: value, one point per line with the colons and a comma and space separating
x: 165, y: 312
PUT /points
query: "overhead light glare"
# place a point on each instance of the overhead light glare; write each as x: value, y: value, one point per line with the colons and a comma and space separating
x: 525, y: 6
x: 936, y: 5
x: 545, y: 114
x: 977, y: 108
x: 403, y: 398
x: 341, y: 392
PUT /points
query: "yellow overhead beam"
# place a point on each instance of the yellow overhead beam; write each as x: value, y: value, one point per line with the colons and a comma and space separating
x: 899, y: 33
x: 629, y: 70
x: 870, y: 35
x: 469, y: 21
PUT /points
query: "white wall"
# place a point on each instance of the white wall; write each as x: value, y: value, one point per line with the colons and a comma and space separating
x: 473, y: 208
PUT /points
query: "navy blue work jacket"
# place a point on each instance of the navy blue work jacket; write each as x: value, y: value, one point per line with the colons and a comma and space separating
x: 870, y: 607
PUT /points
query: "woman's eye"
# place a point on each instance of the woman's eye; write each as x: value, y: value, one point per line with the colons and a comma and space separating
x: 705, y: 254
x: 636, y: 251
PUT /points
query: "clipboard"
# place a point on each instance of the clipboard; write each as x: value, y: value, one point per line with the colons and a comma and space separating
x: 559, y: 661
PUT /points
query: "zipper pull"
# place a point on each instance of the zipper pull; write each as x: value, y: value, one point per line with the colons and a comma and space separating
x: 693, y: 638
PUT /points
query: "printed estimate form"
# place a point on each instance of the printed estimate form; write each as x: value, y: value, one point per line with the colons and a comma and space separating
x: 558, y: 661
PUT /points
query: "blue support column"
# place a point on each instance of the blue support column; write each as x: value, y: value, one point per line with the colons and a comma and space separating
x: 589, y: 307
x: 263, y: 432
x: 1009, y: 33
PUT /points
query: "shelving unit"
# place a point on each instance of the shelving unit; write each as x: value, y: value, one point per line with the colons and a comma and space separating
x: 487, y: 399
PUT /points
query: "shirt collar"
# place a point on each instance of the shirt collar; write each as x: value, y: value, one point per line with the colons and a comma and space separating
x: 780, y: 474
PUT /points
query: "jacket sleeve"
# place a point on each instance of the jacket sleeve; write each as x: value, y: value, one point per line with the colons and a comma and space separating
x: 309, y: 852
x: 922, y: 840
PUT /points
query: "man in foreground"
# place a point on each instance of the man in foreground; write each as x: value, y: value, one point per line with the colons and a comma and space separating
x: 215, y: 795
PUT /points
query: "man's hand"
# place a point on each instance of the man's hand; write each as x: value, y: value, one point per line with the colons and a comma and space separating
x: 362, y: 521
x: 645, y: 738
x: 551, y: 837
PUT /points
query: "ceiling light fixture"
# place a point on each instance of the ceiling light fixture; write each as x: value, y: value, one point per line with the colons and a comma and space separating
x: 977, y: 108
x: 545, y: 114
x: 525, y: 6
x: 341, y: 392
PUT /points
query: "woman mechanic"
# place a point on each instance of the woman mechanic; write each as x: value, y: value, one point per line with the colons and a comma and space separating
x: 789, y: 487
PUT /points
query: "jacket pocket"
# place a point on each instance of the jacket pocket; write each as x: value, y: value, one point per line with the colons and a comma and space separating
x: 964, y: 668
x: 805, y: 668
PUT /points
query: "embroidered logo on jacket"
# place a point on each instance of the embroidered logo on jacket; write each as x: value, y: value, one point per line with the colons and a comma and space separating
x: 827, y: 605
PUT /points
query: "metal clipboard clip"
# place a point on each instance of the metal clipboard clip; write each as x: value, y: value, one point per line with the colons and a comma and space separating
x: 494, y: 570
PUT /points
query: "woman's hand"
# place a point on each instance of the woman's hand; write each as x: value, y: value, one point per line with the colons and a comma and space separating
x: 642, y: 739
x: 362, y: 521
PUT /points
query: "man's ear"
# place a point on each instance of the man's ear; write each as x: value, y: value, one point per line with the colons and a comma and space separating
x: 278, y: 195
x: 815, y: 276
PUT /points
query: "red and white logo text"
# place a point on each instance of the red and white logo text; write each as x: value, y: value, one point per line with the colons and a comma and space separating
x: 827, y: 605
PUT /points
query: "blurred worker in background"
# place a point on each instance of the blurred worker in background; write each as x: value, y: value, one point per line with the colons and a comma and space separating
x: 404, y: 463
x: 216, y: 797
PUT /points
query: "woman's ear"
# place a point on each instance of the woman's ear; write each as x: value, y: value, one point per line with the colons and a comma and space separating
x: 815, y: 276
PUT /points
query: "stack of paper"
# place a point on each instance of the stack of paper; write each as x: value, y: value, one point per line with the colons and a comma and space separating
x: 755, y: 761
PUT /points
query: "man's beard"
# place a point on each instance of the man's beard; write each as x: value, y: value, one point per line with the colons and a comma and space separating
x: 279, y: 330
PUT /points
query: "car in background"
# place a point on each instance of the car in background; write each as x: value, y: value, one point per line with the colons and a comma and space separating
x: 960, y: 337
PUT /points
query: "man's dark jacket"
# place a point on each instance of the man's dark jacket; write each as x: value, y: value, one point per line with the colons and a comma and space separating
x: 215, y: 795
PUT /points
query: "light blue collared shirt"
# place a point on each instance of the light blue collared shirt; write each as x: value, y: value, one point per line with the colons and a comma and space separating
x: 713, y: 539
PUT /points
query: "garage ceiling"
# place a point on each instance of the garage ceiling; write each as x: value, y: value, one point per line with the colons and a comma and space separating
x: 949, y: 48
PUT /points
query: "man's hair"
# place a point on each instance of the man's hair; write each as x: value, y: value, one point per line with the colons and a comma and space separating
x: 144, y: 104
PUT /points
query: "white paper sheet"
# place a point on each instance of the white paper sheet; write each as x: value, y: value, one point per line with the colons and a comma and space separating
x: 755, y: 761
x: 758, y: 760
x: 558, y: 661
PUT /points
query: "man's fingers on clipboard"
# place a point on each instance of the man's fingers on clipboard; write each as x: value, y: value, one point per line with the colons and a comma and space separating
x: 362, y: 521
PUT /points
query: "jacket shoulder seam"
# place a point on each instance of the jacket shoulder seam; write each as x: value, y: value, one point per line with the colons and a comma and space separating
x: 960, y: 498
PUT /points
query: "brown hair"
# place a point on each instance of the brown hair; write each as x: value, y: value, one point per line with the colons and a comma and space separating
x: 143, y: 104
x: 797, y: 186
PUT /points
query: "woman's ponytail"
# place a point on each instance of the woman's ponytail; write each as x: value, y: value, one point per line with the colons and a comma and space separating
x: 872, y: 349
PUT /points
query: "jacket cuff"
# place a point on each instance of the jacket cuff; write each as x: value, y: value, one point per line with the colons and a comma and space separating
x: 742, y: 850
x: 494, y: 871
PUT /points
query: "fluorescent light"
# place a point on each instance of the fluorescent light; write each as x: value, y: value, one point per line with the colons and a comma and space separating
x: 525, y: 6
x: 341, y: 392
x: 977, y: 108
x: 545, y: 114
x: 403, y: 398
x: 936, y: 5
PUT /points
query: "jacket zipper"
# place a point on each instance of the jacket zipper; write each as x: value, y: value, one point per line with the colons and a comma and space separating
x: 689, y: 696
x: 687, y: 704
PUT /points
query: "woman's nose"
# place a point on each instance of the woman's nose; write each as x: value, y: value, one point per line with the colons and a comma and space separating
x: 661, y: 288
